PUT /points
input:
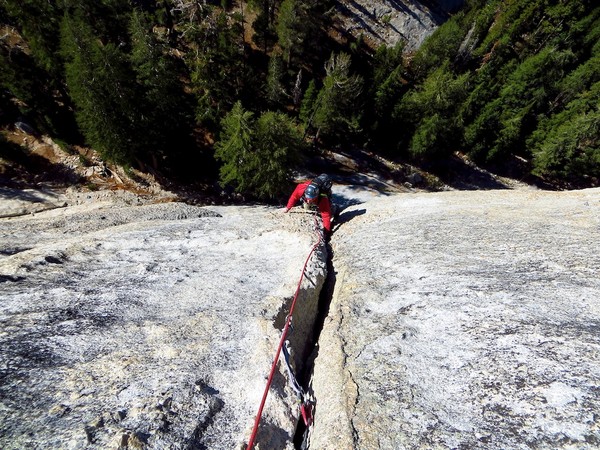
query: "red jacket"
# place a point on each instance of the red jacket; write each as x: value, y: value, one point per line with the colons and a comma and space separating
x: 323, y: 204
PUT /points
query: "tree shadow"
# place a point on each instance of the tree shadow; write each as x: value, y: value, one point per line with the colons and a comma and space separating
x: 400, y: 6
x: 10, y: 194
x: 25, y: 169
x: 341, y: 216
x: 360, y: 21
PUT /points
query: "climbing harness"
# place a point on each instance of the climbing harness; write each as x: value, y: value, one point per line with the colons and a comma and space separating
x: 306, y: 406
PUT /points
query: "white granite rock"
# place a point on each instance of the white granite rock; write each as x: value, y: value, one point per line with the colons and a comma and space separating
x: 463, y: 320
x: 386, y: 22
x: 150, y: 326
x: 458, y: 320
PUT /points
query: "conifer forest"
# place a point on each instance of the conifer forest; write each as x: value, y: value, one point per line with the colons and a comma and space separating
x: 239, y: 92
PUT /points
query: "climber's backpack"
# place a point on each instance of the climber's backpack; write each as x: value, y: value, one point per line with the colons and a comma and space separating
x: 324, y: 183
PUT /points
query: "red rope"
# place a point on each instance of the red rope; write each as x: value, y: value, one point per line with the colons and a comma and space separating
x: 281, y: 342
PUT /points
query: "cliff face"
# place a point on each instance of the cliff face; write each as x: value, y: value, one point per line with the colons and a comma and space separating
x: 463, y: 320
x: 386, y: 22
x: 149, y: 326
x: 458, y: 319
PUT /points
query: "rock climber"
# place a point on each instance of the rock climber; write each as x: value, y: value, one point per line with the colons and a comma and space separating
x: 315, y: 194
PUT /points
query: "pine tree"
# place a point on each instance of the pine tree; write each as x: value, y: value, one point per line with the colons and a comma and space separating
x: 275, y: 90
x: 234, y: 149
x: 258, y: 155
x: 429, y: 114
x: 288, y: 28
x: 278, y: 143
x: 298, y: 27
x: 165, y: 119
x: 308, y: 105
x: 32, y: 70
x: 337, y: 110
x: 218, y: 69
x: 101, y: 85
x: 567, y: 145
x: 39, y: 24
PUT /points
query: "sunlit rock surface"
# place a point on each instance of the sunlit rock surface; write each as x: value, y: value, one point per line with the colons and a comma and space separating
x: 463, y: 320
x: 387, y: 22
x: 148, y: 326
x: 458, y: 320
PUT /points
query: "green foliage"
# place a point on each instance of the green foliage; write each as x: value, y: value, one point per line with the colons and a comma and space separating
x: 257, y: 155
x: 218, y: 71
x: 289, y: 30
x: 298, y: 28
x: 337, y: 108
x: 275, y: 89
x: 166, y: 119
x: 39, y: 23
x: 566, y: 146
x: 388, y: 69
x: 439, y: 49
x: 499, y: 78
x: 278, y: 144
x: 234, y: 149
x: 429, y: 113
x: 525, y: 94
x: 428, y: 140
x: 31, y: 67
x: 309, y: 100
x: 101, y: 86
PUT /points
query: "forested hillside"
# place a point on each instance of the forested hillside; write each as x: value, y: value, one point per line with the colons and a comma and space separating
x: 241, y: 91
x: 504, y: 80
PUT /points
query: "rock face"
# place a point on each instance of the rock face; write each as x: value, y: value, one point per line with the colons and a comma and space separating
x: 150, y: 326
x: 458, y: 320
x: 463, y: 320
x: 386, y: 22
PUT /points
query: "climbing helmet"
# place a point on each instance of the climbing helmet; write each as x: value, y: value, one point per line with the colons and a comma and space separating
x: 311, y: 194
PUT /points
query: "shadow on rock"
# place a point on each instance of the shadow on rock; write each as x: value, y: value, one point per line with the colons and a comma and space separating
x: 342, y: 202
x: 349, y: 215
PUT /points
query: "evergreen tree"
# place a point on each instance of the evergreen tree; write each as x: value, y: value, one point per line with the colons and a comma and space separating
x: 275, y: 89
x: 234, y: 149
x: 298, y: 29
x: 257, y: 155
x: 386, y: 89
x: 567, y: 145
x: 571, y: 149
x: 32, y: 70
x: 289, y: 28
x: 101, y: 85
x: 218, y: 69
x: 429, y: 114
x: 165, y: 119
x: 39, y: 24
x: 278, y: 143
x: 308, y: 105
x: 439, y: 49
x: 337, y: 110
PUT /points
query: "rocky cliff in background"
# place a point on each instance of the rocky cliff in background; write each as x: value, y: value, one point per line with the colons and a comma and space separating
x: 386, y: 22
